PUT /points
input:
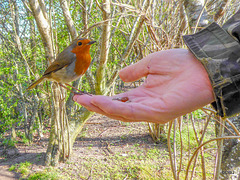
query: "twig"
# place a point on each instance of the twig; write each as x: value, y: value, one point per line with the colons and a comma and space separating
x: 196, y: 151
x: 174, y: 147
x: 181, y: 154
x: 220, y: 148
x: 200, y: 15
x: 170, y: 151
x: 233, y: 126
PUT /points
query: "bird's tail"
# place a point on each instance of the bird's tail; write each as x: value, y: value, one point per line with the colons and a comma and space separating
x: 36, y: 83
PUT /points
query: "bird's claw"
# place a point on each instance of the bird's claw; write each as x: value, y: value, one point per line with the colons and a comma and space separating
x: 81, y: 93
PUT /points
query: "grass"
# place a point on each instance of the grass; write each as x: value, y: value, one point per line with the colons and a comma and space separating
x: 140, y: 164
x: 22, y: 168
x: 47, y: 174
x: 189, y: 139
x: 9, y: 142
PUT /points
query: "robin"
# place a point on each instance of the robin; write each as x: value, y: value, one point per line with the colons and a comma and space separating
x: 69, y: 65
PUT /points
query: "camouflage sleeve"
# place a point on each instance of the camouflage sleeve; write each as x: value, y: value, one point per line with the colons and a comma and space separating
x: 218, y: 49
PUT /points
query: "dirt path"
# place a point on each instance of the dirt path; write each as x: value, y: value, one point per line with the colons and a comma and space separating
x: 101, y: 138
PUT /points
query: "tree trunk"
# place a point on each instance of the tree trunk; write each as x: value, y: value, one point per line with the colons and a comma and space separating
x: 106, y: 32
x: 43, y: 22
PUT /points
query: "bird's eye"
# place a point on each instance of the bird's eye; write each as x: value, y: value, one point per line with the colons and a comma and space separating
x: 79, y: 43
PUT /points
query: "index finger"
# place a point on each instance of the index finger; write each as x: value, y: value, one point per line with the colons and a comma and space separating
x: 135, y: 71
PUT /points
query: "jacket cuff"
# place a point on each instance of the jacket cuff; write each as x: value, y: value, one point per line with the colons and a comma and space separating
x: 219, y: 52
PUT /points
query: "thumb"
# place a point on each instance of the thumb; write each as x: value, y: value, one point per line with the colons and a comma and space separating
x: 135, y: 71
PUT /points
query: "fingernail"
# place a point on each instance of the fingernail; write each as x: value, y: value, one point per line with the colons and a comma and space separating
x: 74, y: 98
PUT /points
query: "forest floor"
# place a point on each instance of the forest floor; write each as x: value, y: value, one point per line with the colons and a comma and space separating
x: 105, y: 149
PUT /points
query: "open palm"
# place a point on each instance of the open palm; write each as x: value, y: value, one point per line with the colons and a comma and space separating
x: 176, y: 83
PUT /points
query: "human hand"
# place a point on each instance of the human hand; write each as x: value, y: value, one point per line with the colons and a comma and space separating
x: 176, y: 83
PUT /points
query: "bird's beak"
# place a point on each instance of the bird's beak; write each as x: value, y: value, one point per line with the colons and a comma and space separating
x: 91, y: 42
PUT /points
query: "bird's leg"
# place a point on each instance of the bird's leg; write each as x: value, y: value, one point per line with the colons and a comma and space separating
x: 66, y: 88
x: 79, y: 91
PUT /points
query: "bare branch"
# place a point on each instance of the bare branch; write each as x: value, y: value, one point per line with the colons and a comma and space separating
x: 68, y: 19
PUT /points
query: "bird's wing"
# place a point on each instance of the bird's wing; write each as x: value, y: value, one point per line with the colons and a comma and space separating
x: 64, y: 59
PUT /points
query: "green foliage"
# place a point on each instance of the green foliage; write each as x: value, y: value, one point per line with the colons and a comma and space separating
x: 9, y: 142
x: 47, y: 174
x: 22, y: 168
x: 12, y: 168
x: 25, y: 140
x: 9, y: 103
x: 198, y: 114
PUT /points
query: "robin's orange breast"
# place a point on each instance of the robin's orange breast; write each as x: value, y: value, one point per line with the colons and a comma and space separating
x: 83, y: 61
